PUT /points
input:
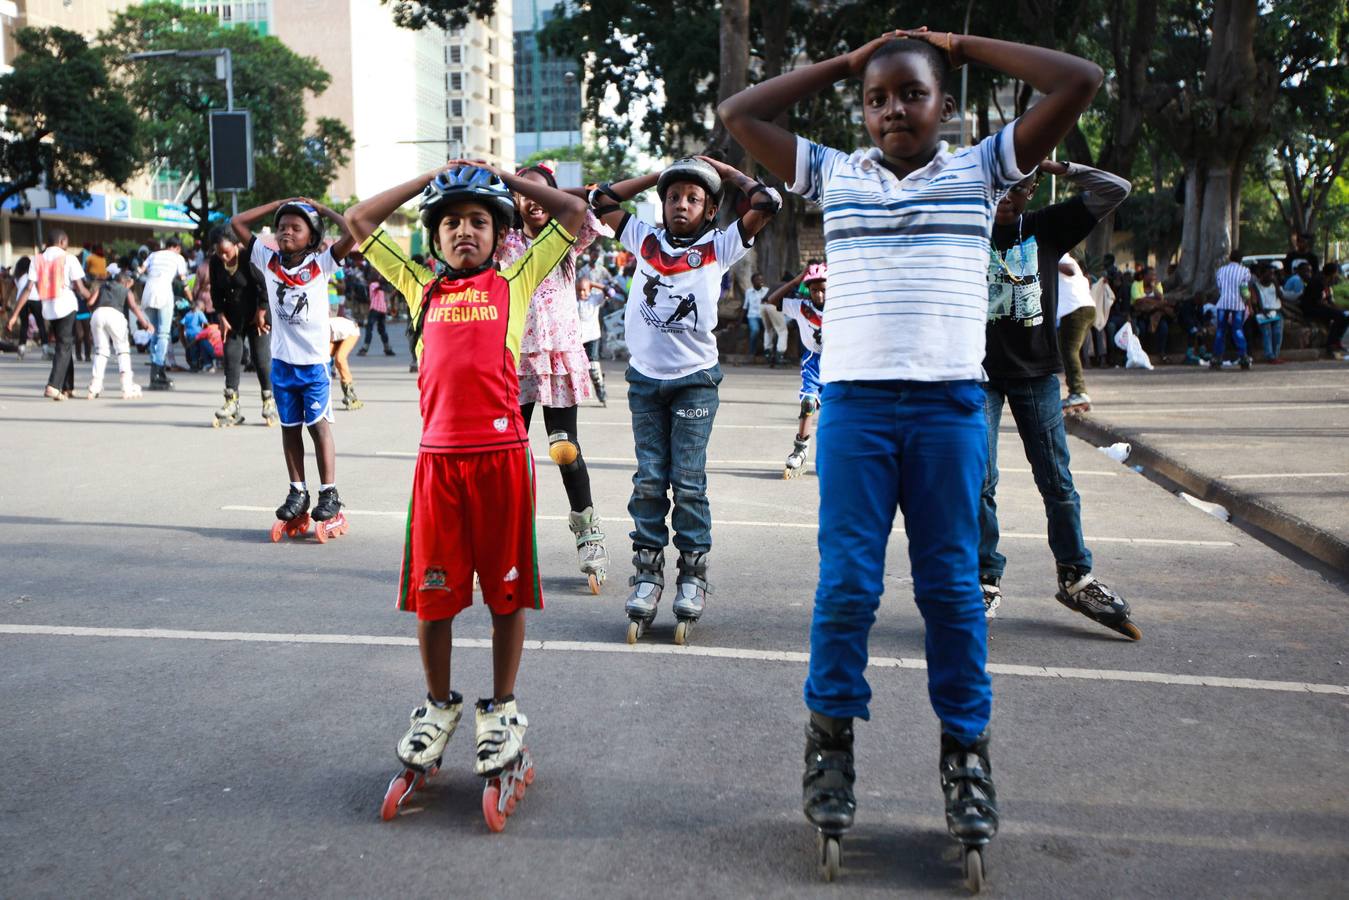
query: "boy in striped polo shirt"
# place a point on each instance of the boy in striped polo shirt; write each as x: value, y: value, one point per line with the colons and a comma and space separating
x: 907, y: 225
x: 1234, y: 281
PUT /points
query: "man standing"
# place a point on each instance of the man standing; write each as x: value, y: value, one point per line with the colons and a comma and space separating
x: 1236, y: 295
x: 753, y: 307
x: 1301, y: 253
x: 55, y: 278
x: 161, y: 268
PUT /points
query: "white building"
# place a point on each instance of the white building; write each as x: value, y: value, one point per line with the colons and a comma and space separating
x: 412, y: 99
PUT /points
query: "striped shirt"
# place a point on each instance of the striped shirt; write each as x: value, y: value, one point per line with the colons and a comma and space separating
x: 908, y: 294
x: 1232, y: 279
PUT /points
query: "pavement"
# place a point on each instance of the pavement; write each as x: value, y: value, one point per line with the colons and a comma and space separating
x: 187, y: 709
x: 1270, y: 445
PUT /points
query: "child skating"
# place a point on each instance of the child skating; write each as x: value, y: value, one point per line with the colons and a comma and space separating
x: 554, y: 369
x: 472, y: 506
x: 345, y: 334
x: 809, y: 315
x: 673, y: 372
x: 294, y: 278
x: 902, y: 423
x: 1022, y: 362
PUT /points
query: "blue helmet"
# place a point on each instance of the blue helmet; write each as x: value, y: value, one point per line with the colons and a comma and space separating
x: 466, y: 183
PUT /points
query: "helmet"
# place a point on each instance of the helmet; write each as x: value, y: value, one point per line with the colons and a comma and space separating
x: 817, y: 272
x: 466, y: 183
x: 306, y: 212
x: 690, y: 169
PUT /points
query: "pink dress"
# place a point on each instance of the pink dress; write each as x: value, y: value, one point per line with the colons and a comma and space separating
x: 554, y: 369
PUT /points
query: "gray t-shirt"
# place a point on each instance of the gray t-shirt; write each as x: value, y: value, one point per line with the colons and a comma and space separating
x: 112, y: 295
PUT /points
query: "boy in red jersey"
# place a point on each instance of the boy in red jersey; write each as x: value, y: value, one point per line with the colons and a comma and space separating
x: 472, y: 507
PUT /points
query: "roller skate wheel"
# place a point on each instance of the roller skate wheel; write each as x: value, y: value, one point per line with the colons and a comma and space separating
x: 511, y: 800
x: 594, y: 580
x: 393, y: 797
x: 520, y: 788
x: 278, y: 529
x: 491, y: 800
x: 634, y: 631
x: 974, y: 870
x: 321, y: 532
x: 1131, y: 631
x: 831, y: 857
x: 681, y: 631
x: 271, y: 422
x: 529, y: 775
x: 215, y: 423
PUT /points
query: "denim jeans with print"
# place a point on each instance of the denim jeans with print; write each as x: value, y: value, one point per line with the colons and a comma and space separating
x: 1038, y: 414
x: 671, y: 424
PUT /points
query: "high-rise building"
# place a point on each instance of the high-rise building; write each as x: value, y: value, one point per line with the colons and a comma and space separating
x: 548, y: 104
x: 411, y: 99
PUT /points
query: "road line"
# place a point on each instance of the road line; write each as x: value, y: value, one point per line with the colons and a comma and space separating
x: 785, y: 656
x: 1284, y: 475
x: 809, y: 526
x: 1246, y: 408
x: 766, y: 463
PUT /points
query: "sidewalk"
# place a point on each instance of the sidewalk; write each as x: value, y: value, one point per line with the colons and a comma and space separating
x: 1271, y: 445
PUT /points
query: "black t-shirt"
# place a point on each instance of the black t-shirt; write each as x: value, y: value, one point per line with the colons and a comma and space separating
x: 235, y: 294
x: 112, y: 295
x: 1313, y: 295
x: 1292, y: 259
x: 1023, y: 287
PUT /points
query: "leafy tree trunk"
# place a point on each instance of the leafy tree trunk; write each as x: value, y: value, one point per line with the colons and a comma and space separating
x: 1212, y: 128
x: 776, y: 248
x: 734, y: 72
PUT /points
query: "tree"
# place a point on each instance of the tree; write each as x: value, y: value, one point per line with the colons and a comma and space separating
x: 175, y: 95
x: 598, y: 164
x: 446, y: 14
x: 64, y: 126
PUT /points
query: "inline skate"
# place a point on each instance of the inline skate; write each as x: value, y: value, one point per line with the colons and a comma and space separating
x: 503, y: 759
x: 827, y: 787
x: 228, y: 415
x: 796, y: 460
x: 691, y: 590
x: 269, y: 414
x: 292, y: 517
x: 971, y: 802
x: 421, y: 750
x: 585, y: 525
x: 1081, y: 592
x: 992, y: 595
x: 329, y: 522
x: 647, y: 584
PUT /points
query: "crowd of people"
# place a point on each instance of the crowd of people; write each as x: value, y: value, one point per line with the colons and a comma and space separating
x: 903, y: 380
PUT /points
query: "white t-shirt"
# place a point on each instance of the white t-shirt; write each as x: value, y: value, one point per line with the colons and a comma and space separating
x: 908, y: 258
x: 588, y: 311
x: 298, y: 298
x: 1269, y: 296
x: 1074, y: 289
x: 808, y: 318
x: 754, y: 300
x: 64, y: 304
x: 160, y: 269
x: 672, y: 307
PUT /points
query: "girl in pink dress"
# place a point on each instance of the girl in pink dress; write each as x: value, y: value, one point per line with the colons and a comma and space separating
x: 554, y: 370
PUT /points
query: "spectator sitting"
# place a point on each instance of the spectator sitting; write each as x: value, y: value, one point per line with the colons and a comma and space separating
x: 1152, y: 313
x: 210, y: 346
x: 1319, y: 306
x: 193, y: 323
x: 1195, y: 319
x: 1269, y: 316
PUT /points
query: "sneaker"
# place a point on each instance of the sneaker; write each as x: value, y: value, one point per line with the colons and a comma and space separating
x: 388, y: 351
x: 363, y: 351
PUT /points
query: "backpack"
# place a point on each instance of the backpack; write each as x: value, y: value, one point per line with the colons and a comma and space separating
x: 49, y: 275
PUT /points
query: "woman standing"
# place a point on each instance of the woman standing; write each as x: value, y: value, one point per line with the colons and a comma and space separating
x: 234, y: 294
x: 555, y: 371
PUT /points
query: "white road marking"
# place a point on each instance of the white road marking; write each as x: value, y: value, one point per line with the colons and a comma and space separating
x: 811, y: 526
x: 784, y: 656
x: 1283, y: 475
x: 1149, y: 410
x: 766, y: 463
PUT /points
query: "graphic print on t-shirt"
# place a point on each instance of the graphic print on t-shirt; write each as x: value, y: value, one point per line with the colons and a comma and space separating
x: 685, y: 305
x: 1014, y: 284
x: 809, y: 318
x: 293, y: 285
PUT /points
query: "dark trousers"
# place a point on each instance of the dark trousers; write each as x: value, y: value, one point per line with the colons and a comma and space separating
x: 260, y: 345
x: 33, y: 308
x: 375, y: 320
x: 575, y: 475
x: 1336, y: 320
x: 62, y: 377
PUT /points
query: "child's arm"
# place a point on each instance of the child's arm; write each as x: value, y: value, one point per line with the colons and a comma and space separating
x: 1068, y: 83
x: 1101, y: 191
x: 749, y: 115
x: 567, y: 209
x: 605, y: 199
x: 243, y: 222
x: 136, y: 308
x: 780, y: 292
x: 762, y: 209
x: 365, y: 217
x: 343, y: 245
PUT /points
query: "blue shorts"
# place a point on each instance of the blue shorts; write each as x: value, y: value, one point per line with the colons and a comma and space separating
x: 810, y: 375
x: 301, y: 393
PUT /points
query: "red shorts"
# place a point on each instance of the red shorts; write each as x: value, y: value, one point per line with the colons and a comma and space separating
x: 470, y: 512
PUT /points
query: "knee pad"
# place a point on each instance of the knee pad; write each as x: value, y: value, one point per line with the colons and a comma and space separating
x: 810, y: 405
x: 564, y: 451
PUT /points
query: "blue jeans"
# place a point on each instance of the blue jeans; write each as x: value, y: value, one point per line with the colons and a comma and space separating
x: 1230, y: 321
x: 755, y: 334
x: 671, y: 425
x: 1271, y: 333
x: 919, y: 447
x: 1039, y: 420
x: 162, y: 320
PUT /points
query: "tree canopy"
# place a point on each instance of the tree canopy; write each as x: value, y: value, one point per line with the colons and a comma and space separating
x: 65, y: 127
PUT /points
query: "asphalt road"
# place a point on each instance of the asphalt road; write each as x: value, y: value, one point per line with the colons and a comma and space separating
x: 189, y: 710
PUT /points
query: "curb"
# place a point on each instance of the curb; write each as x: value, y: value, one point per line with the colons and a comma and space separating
x: 1262, y: 516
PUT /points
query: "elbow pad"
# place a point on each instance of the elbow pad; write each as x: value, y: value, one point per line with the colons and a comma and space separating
x: 769, y: 203
x: 603, y: 200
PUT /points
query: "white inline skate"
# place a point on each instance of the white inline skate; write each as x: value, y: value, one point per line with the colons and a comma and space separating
x: 594, y: 559
x: 503, y: 759
x: 421, y: 750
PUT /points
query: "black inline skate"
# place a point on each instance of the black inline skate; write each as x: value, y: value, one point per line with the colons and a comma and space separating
x: 971, y: 801
x: 1080, y: 591
x: 827, y: 787
x: 329, y: 521
x: 292, y: 517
